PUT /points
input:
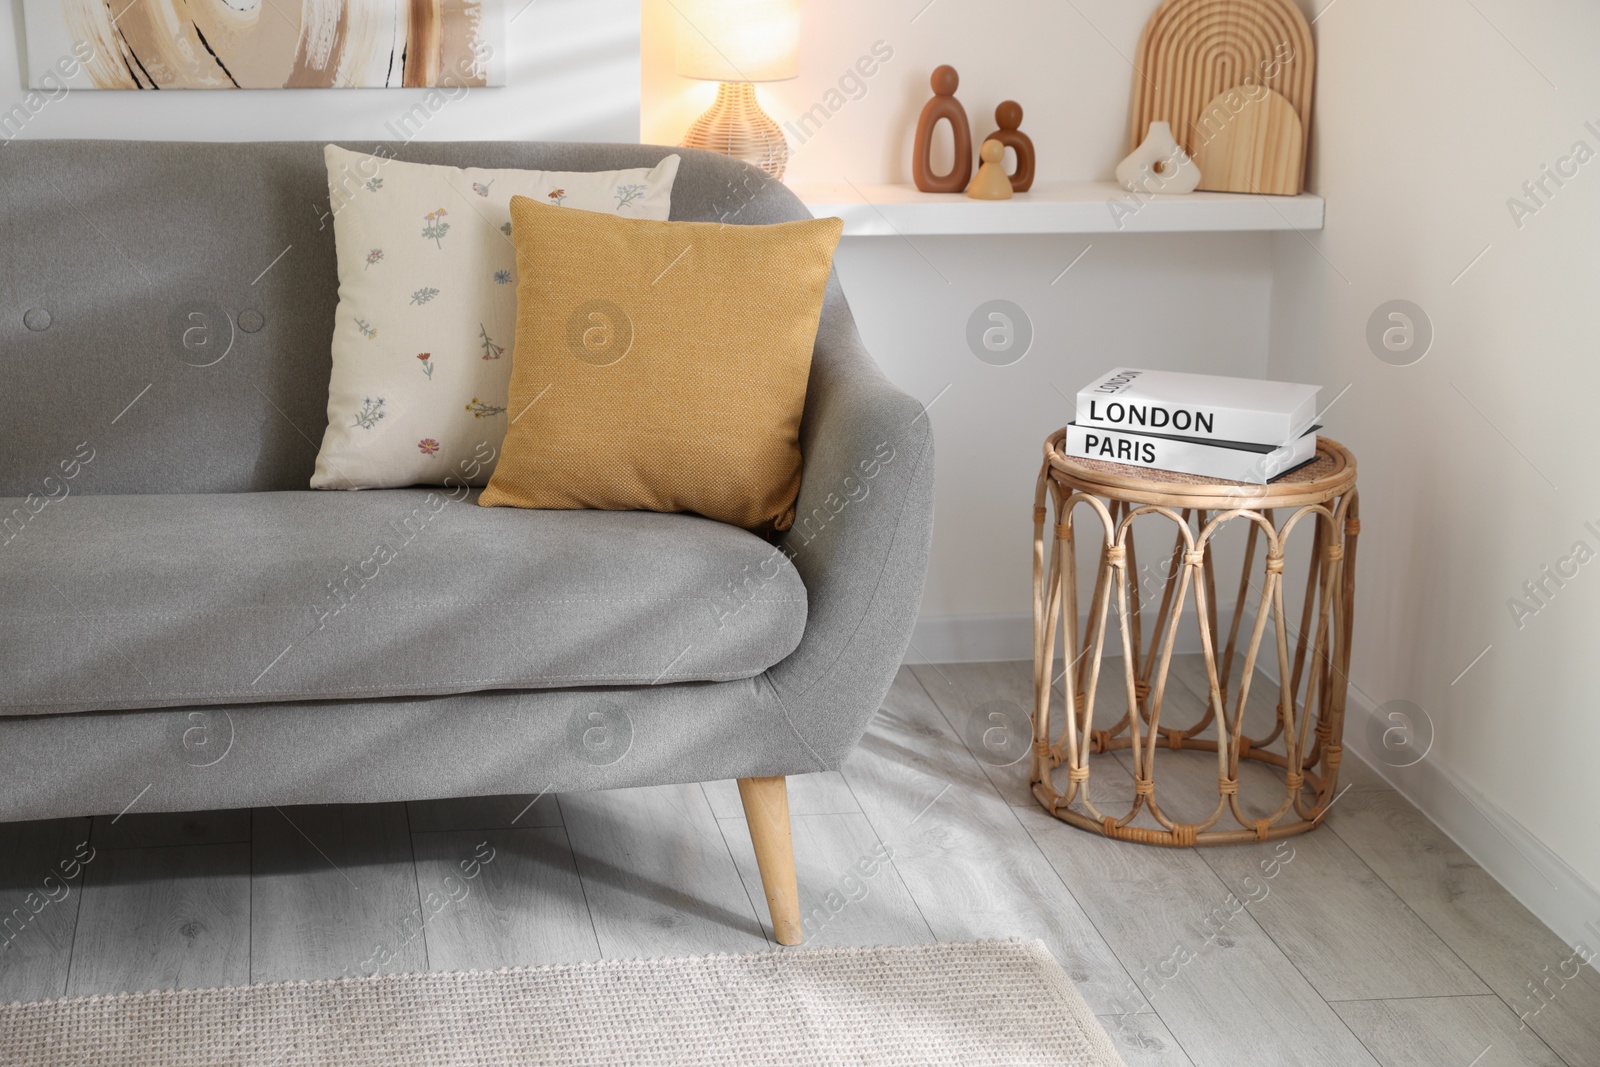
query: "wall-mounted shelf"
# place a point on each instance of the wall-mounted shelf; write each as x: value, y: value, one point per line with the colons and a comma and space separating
x: 1054, y: 207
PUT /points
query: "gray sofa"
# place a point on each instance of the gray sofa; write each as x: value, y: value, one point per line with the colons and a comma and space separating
x: 184, y: 625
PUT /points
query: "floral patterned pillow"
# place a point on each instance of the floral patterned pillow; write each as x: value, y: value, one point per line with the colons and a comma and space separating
x: 422, y: 339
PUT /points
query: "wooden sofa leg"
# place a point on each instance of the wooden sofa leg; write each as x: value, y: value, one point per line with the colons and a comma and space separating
x: 766, y: 809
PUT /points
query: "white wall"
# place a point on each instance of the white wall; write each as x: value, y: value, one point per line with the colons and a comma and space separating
x: 573, y: 76
x: 1181, y: 302
x: 1196, y: 301
x: 1477, y: 463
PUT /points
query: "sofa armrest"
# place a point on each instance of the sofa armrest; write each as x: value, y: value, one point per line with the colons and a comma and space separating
x: 863, y: 525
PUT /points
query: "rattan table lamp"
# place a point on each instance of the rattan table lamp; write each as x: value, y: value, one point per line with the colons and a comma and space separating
x: 738, y: 43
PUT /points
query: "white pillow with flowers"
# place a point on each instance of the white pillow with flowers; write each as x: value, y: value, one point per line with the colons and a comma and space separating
x: 422, y: 338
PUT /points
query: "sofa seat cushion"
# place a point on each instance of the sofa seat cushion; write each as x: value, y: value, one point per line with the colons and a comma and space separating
x: 165, y: 601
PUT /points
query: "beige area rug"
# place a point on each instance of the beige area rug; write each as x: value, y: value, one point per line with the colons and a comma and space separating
x: 990, y: 1002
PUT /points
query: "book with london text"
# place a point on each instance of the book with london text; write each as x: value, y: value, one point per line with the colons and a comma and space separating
x: 1197, y: 405
x: 1232, y: 461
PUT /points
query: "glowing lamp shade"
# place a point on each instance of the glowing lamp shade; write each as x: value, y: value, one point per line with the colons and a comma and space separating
x: 739, y: 40
x: 737, y: 43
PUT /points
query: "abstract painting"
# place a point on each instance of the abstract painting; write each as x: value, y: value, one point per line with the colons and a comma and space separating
x: 267, y: 44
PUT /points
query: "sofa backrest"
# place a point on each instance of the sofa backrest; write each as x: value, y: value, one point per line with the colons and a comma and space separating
x: 167, y: 308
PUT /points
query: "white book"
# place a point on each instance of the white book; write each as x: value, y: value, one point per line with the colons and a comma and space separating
x: 1197, y: 405
x: 1234, y: 461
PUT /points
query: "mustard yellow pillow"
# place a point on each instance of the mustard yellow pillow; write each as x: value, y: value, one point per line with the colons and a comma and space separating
x: 660, y: 366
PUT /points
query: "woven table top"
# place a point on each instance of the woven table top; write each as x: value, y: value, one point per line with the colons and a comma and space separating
x: 1330, y: 474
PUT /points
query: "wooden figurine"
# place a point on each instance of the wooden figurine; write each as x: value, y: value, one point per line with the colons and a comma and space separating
x: 991, y: 182
x: 1009, y: 118
x: 944, y: 105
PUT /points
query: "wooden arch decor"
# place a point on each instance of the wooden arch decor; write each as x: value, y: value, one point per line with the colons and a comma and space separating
x: 1193, y: 52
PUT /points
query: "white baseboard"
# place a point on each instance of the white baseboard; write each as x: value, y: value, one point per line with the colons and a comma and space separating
x: 972, y: 639
x: 995, y: 638
x: 1541, y: 880
x: 1512, y: 854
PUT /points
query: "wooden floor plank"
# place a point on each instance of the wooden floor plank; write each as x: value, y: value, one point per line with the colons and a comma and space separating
x: 1378, y: 912
x: 502, y: 898
x: 522, y: 810
x: 163, y: 918
x: 969, y: 864
x: 989, y: 706
x: 41, y: 886
x: 156, y: 829
x: 1190, y: 689
x: 1480, y: 1031
x: 335, y: 893
x: 1143, y: 1040
x: 823, y: 793
x: 1359, y: 775
x: 1496, y: 936
x: 657, y: 874
x: 1186, y: 787
x: 850, y: 892
x: 1224, y: 990
x: 1345, y: 930
x: 1260, y: 715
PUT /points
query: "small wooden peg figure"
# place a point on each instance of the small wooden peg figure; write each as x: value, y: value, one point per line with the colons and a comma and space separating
x: 1009, y: 117
x: 991, y: 182
x: 944, y: 105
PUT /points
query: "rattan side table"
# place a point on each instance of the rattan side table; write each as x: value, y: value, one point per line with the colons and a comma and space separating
x: 1322, y: 507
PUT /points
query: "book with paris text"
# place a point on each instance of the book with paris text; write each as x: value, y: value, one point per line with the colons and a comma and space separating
x: 1234, y: 461
x: 1204, y: 406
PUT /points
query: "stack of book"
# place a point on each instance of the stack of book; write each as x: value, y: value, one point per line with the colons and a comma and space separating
x: 1238, y: 429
